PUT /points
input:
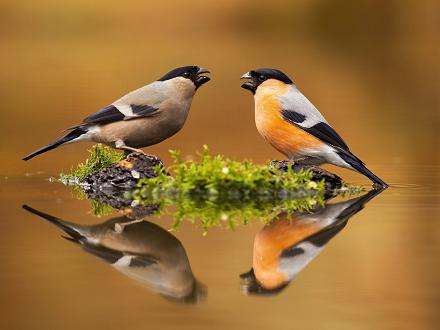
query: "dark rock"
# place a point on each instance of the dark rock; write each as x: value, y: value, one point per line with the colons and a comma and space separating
x: 332, y: 181
x: 124, y: 175
x: 109, y: 185
x: 142, y: 211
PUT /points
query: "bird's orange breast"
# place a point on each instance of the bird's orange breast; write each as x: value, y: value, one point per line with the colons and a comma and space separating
x: 282, y: 135
x: 271, y: 241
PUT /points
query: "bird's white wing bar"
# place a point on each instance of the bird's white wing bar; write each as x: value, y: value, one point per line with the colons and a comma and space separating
x: 132, y: 111
x: 114, y: 113
x: 125, y: 109
x: 139, y: 261
x: 142, y: 102
x: 124, y: 261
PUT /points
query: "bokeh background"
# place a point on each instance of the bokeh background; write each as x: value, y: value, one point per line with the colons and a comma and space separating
x: 371, y: 66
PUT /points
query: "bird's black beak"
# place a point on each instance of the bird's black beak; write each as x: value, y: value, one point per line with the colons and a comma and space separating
x: 250, y: 84
x: 249, y: 285
x: 200, y: 80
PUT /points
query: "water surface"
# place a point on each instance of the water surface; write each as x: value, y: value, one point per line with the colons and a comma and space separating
x: 379, y: 269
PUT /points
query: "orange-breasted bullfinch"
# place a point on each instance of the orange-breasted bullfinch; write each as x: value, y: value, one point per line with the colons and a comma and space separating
x: 288, y: 244
x: 140, y: 250
x: 293, y: 125
x: 141, y: 118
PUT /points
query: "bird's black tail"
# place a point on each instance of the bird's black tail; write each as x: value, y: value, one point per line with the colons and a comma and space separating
x: 67, y: 138
x: 357, y: 204
x: 65, y: 226
x: 356, y: 164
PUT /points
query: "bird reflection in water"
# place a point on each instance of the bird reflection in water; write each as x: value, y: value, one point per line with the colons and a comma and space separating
x: 140, y: 250
x: 284, y: 247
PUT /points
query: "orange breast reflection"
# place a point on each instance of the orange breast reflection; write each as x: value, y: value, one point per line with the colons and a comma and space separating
x: 270, y: 242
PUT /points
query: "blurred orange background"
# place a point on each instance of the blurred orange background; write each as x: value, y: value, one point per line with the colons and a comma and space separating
x: 371, y: 67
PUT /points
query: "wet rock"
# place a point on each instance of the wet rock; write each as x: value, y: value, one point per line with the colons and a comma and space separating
x: 142, y: 211
x: 125, y: 174
x: 332, y: 181
x: 109, y: 185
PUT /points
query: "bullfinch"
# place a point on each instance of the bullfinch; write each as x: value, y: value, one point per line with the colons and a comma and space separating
x: 285, y: 246
x: 141, y: 118
x: 293, y: 125
x: 139, y: 249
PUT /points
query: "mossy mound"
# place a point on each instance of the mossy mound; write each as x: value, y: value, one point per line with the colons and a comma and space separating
x: 109, y: 171
x: 214, y: 188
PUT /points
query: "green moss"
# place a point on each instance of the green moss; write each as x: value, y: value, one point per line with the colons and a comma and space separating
x: 232, y: 212
x: 100, y: 157
x: 217, y: 190
x: 100, y: 209
x: 348, y: 190
x: 213, y: 190
x: 218, y: 176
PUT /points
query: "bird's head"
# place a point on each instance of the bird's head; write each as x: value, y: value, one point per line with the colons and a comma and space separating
x: 258, y: 76
x: 193, y: 73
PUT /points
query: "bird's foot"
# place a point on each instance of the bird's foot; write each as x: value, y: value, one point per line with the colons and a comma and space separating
x: 133, y: 150
x: 127, y: 150
x: 119, y: 227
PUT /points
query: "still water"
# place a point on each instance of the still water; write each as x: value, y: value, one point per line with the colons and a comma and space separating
x: 373, y: 264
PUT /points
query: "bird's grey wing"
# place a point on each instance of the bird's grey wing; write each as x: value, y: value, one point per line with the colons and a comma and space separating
x: 140, y: 103
x: 299, y: 111
x: 113, y: 113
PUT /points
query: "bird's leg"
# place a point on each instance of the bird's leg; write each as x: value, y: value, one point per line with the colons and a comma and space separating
x: 119, y: 144
x: 119, y: 227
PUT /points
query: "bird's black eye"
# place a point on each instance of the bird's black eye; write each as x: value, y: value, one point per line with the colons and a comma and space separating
x: 186, y: 74
x: 262, y: 77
